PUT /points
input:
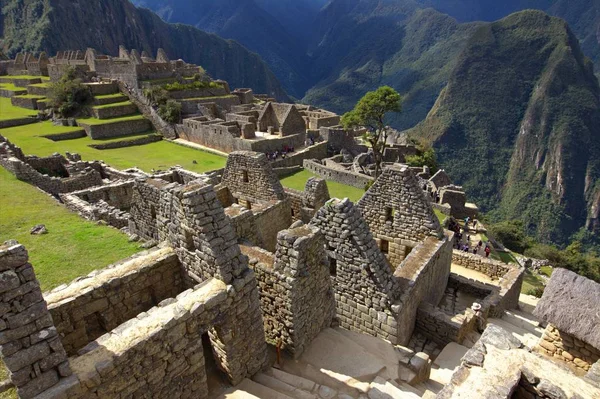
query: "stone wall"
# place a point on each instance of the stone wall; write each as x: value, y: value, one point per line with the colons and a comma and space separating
x: 18, y: 122
x: 422, y: 277
x: 66, y: 136
x: 144, y: 208
x: 489, y: 267
x: 364, y: 286
x: 95, y: 304
x: 565, y: 347
x: 99, y: 210
x: 115, y: 111
x: 198, y: 93
x: 337, y: 175
x: 24, y: 102
x: 31, y: 349
x: 297, y: 299
x: 116, y: 129
x: 52, y: 185
x: 442, y: 328
x: 297, y: 158
x: 151, y: 138
x: 249, y: 175
x: 398, y: 213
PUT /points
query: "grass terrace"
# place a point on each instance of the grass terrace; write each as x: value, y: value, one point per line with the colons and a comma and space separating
x: 73, y: 247
x: 8, y: 111
x: 111, y: 105
x: 12, y: 77
x: 159, y: 155
x: 43, y: 85
x: 114, y: 95
x: 11, y: 87
x: 94, y: 121
x: 31, y: 96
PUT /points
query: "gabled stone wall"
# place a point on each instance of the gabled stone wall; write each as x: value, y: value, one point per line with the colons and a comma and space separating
x: 249, y: 174
x: 398, y: 213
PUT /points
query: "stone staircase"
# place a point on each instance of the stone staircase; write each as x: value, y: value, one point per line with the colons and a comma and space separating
x: 339, y: 364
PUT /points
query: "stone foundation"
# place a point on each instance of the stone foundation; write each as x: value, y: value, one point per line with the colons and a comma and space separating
x: 566, y: 348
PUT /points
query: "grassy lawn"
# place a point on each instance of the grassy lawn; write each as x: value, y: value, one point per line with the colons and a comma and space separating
x: 546, y: 270
x: 8, y: 111
x: 11, y: 87
x: 10, y: 78
x: 114, y: 95
x: 298, y: 180
x: 159, y: 155
x: 73, y: 247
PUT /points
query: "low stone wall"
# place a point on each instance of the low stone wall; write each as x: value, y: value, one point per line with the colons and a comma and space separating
x: 422, y: 276
x: 489, y: 267
x: 151, y: 138
x: 95, y: 304
x: 17, y: 122
x: 163, y: 343
x: 11, y: 93
x: 99, y: 89
x: 24, y: 102
x: 337, y: 175
x: 117, y: 129
x: 565, y: 347
x: 442, y: 328
x: 288, y: 170
x: 52, y: 185
x: 115, y: 111
x: 316, y: 151
x: 66, y: 136
x: 198, y: 93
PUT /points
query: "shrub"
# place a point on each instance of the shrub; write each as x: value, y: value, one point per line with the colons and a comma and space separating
x: 511, y: 234
x: 195, y: 84
x: 157, y: 95
x: 170, y: 111
x: 425, y: 156
x: 69, y: 95
x: 536, y: 292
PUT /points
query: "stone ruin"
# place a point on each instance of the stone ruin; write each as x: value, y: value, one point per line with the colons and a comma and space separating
x: 292, y: 262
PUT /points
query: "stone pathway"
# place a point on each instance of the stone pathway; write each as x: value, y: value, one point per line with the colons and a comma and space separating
x: 472, y: 274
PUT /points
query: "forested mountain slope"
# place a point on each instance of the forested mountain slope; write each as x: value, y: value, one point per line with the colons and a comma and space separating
x: 518, y: 124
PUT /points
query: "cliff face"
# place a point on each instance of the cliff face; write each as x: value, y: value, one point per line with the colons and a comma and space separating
x: 52, y: 25
x: 518, y: 125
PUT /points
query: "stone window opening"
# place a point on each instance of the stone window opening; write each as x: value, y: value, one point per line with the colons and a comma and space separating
x: 245, y: 176
x: 248, y: 205
x: 293, y: 213
x: 384, y: 246
x: 389, y: 214
x: 332, y: 266
x: 152, y: 212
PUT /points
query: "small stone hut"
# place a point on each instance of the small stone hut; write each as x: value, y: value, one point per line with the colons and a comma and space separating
x: 569, y: 307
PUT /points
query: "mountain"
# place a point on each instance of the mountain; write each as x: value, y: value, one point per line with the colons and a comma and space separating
x: 518, y: 124
x: 366, y: 44
x: 274, y: 29
x: 583, y: 16
x: 52, y: 25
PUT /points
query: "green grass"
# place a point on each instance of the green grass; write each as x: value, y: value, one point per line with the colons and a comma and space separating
x: 31, y: 96
x: 11, y: 87
x: 112, y: 105
x: 298, y: 180
x: 11, y: 77
x: 44, y: 85
x: 94, y: 121
x: 159, y: 155
x: 441, y: 217
x: 208, y: 98
x: 546, y: 271
x: 530, y: 281
x: 8, y: 111
x: 73, y: 247
x: 115, y: 95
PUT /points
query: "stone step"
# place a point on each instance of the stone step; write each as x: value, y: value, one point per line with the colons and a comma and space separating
x: 522, y: 320
x: 102, y: 88
x: 293, y: 380
x: 323, y: 379
x: 417, y: 390
x: 280, y: 386
x: 38, y: 90
x: 118, y: 127
x: 382, y: 389
x: 249, y: 389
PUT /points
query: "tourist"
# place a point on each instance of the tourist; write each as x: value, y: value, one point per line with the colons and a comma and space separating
x: 487, y: 251
x: 475, y: 250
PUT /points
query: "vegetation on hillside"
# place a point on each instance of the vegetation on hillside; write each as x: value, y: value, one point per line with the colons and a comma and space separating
x: 573, y: 257
x: 518, y: 125
x: 170, y: 111
x: 425, y: 156
x: 370, y: 112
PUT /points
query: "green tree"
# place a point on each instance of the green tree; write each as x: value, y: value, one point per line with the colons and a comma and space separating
x: 68, y: 95
x: 170, y: 111
x: 425, y: 156
x: 370, y: 112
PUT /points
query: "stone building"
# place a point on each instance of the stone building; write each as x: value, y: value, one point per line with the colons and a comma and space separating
x: 398, y: 213
x: 569, y: 308
x: 281, y: 119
